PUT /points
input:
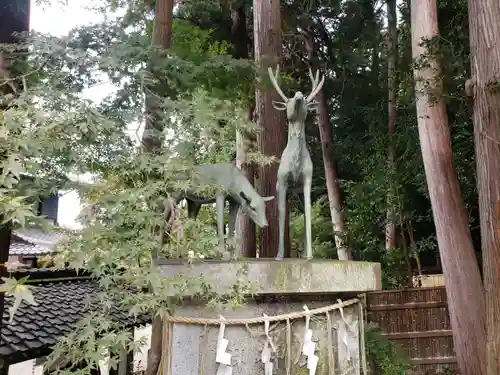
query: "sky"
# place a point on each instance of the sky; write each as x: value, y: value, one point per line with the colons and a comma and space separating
x: 58, y: 19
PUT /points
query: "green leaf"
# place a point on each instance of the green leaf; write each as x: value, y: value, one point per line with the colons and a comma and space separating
x: 20, y: 292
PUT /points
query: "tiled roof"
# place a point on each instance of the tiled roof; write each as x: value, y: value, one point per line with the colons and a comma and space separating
x: 49, y: 273
x: 37, y: 236
x: 25, y: 248
x: 60, y: 305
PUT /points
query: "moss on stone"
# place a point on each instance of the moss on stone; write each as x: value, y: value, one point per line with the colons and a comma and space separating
x: 298, y: 370
x: 282, y: 277
x: 323, y: 363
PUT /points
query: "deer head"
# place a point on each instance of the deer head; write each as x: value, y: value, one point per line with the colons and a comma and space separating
x: 297, y: 106
x: 255, y: 208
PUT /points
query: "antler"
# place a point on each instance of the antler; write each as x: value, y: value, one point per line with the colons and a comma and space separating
x: 274, y: 80
x: 316, y: 85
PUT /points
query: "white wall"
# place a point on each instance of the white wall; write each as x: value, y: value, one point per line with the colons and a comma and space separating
x: 140, y: 359
x: 25, y: 368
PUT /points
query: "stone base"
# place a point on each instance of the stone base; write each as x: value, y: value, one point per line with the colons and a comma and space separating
x: 194, y: 346
x: 281, y: 287
x: 277, y: 277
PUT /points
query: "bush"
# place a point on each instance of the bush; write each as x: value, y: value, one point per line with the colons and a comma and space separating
x: 382, y: 356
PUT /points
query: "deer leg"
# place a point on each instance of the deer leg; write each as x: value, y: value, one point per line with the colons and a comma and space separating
x: 307, y: 214
x: 175, y: 200
x: 281, y: 189
x: 233, y: 213
x: 219, y: 206
x: 193, y: 209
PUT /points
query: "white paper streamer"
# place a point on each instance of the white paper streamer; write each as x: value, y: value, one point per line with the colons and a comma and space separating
x: 221, y: 356
x: 312, y: 364
x: 307, y: 333
x: 224, y: 370
x: 345, y: 338
x: 267, y: 350
x: 309, y: 346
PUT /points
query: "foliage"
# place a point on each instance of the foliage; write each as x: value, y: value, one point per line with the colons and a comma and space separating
x: 323, y: 244
x: 382, y: 356
x: 51, y: 130
x: 97, y: 337
x: 19, y: 290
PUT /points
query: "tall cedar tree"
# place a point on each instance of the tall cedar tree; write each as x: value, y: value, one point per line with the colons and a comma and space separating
x: 331, y: 173
x: 245, y: 227
x: 484, y: 18
x: 152, y: 140
x: 392, y: 37
x: 464, y: 288
x: 272, y: 137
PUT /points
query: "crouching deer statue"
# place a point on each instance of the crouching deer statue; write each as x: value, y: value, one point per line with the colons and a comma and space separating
x: 296, y: 166
x: 235, y: 188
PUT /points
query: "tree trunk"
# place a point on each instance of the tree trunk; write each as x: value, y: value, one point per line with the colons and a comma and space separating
x: 464, y: 288
x: 161, y: 39
x: 406, y: 255
x: 272, y: 137
x: 413, y: 246
x: 245, y: 227
x: 331, y: 173
x: 484, y: 17
x: 392, y: 37
x: 5, y: 236
x: 152, y: 139
x: 154, y: 353
x: 239, y: 33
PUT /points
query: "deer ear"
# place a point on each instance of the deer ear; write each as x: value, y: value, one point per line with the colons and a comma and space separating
x: 245, y: 198
x: 313, y: 106
x: 267, y: 199
x: 280, y: 106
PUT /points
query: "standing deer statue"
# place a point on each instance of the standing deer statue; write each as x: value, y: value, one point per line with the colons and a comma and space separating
x: 235, y: 188
x: 296, y: 166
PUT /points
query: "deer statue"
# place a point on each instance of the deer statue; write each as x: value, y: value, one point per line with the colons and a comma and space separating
x: 235, y: 188
x: 296, y: 166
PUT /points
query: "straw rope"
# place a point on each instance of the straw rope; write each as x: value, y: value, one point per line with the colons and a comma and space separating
x: 165, y: 364
x: 247, y: 321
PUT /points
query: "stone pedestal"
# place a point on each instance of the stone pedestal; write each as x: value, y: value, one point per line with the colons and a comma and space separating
x: 279, y: 287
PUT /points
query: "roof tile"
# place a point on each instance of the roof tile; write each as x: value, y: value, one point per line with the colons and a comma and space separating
x: 25, y: 248
x: 60, y: 305
x: 37, y: 236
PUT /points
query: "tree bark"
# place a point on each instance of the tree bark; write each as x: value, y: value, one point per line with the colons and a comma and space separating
x: 272, y: 137
x: 413, y: 246
x: 392, y: 37
x: 245, y: 227
x: 5, y: 237
x: 484, y: 17
x: 152, y: 139
x: 161, y: 39
x: 239, y: 32
x: 154, y: 353
x: 331, y: 173
x: 406, y: 255
x: 464, y: 288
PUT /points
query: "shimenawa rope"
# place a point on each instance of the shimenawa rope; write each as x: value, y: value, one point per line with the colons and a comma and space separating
x: 257, y: 320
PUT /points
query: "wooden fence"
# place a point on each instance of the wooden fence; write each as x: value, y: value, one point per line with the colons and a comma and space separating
x: 417, y: 321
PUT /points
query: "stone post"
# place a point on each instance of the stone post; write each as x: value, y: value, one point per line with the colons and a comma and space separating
x: 293, y: 295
